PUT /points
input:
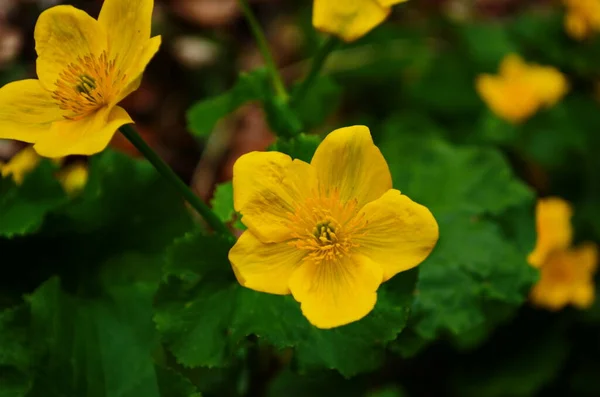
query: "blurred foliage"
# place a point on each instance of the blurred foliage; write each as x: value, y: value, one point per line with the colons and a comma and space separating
x: 118, y: 292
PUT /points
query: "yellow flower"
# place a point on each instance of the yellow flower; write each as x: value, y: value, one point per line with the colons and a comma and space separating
x: 85, y: 68
x: 73, y: 177
x: 582, y: 18
x: 20, y: 165
x: 350, y: 19
x: 329, y: 232
x: 521, y: 89
x: 553, y: 228
x: 566, y: 273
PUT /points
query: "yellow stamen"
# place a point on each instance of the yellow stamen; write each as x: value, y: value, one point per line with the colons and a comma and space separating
x: 86, y: 85
x: 326, y: 227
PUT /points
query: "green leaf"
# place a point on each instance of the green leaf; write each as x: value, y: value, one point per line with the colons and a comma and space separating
x: 15, y: 352
x: 320, y: 101
x: 173, y: 384
x: 300, y: 147
x: 23, y: 208
x: 222, y: 202
x: 487, y: 43
x: 203, y: 314
x: 450, y: 179
x: 94, y: 347
x: 128, y: 200
x: 204, y: 115
x: 462, y: 186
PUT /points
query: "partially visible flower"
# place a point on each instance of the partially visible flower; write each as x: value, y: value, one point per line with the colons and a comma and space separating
x: 350, y: 19
x: 521, y: 89
x: 85, y: 68
x: 553, y: 229
x: 582, y: 18
x: 329, y: 232
x: 22, y: 163
x: 73, y: 177
x: 566, y: 273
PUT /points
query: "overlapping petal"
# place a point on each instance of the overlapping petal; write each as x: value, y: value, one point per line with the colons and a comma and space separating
x: 26, y: 111
x: 266, y: 187
x: 336, y: 293
x: 64, y: 35
x: 265, y: 267
x: 400, y: 233
x: 86, y: 136
x: 349, y: 163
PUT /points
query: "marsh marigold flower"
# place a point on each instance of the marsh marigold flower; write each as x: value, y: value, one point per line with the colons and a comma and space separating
x: 582, y: 18
x: 85, y: 68
x: 521, y: 89
x: 21, y: 164
x: 350, y: 19
x: 566, y: 273
x: 329, y: 232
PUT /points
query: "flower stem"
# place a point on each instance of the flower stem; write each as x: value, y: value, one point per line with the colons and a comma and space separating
x: 263, y: 46
x: 317, y: 64
x: 209, y: 216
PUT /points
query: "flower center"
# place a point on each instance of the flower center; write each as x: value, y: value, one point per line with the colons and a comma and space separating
x: 86, y: 85
x: 326, y: 228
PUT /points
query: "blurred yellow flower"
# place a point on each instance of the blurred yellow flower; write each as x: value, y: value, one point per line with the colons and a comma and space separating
x: 73, y: 177
x: 85, y: 68
x: 20, y: 165
x: 582, y: 18
x: 566, y: 273
x: 329, y: 232
x: 521, y: 89
x: 350, y: 19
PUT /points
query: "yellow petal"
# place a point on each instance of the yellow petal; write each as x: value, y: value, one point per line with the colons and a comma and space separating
x: 87, y: 136
x: 347, y: 162
x: 584, y: 296
x: 512, y: 99
x: 64, y: 34
x: 26, y: 111
x: 549, y: 295
x: 265, y: 267
x: 349, y: 20
x: 550, y: 84
x: 389, y: 3
x: 400, y: 233
x: 73, y: 178
x: 20, y: 164
x: 128, y: 25
x: 513, y: 66
x: 134, y: 76
x: 336, y: 293
x: 576, y: 26
x: 553, y: 227
x: 266, y: 188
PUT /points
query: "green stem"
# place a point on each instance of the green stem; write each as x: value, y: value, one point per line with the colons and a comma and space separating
x: 136, y: 140
x: 263, y: 46
x: 318, y: 61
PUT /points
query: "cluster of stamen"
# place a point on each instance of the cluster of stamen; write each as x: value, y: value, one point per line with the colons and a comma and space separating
x: 326, y: 227
x: 87, y: 84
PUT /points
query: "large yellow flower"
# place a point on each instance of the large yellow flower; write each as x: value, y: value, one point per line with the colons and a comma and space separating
x: 85, y: 68
x: 566, y: 273
x: 521, y: 89
x: 350, y: 19
x: 329, y: 232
